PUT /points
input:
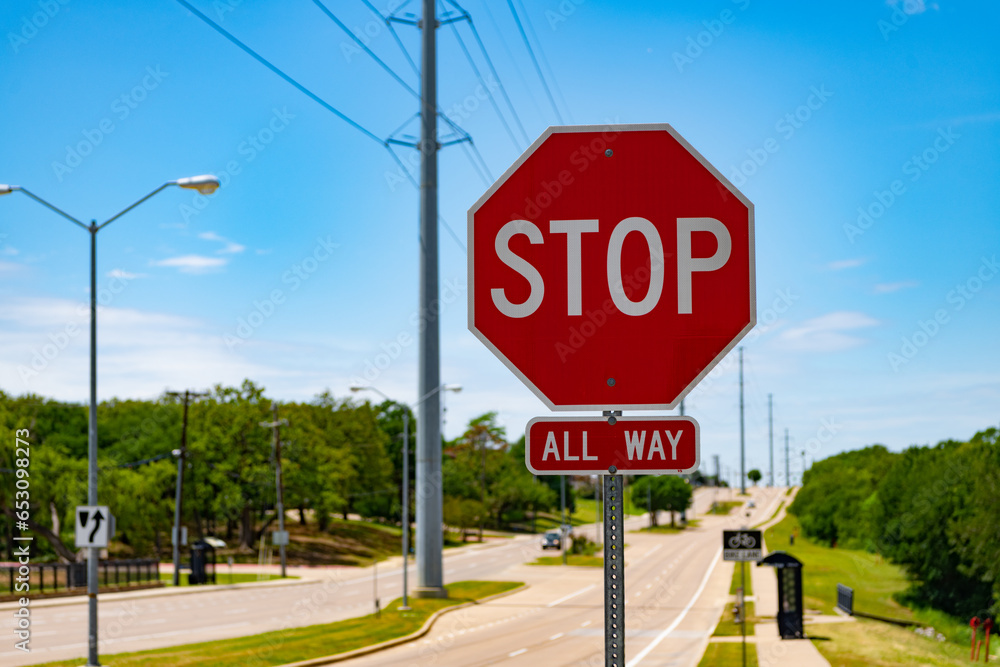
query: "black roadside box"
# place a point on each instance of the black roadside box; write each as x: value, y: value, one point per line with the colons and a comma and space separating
x: 789, y: 571
x: 202, y: 563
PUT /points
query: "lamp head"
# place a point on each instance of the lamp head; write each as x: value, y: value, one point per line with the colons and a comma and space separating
x: 7, y: 189
x: 206, y: 184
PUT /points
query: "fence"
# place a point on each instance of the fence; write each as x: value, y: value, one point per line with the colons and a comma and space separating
x: 64, y: 577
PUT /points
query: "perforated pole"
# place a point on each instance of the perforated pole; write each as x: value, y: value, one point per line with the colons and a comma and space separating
x: 614, y: 571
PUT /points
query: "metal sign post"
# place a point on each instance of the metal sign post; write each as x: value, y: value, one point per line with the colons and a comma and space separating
x: 614, y: 571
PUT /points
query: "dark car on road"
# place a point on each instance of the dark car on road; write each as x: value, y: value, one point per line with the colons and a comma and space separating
x: 551, y: 541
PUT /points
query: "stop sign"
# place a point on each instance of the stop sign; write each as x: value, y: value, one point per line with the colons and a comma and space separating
x: 611, y: 267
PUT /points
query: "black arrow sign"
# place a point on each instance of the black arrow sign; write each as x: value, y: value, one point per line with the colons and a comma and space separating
x: 98, y: 517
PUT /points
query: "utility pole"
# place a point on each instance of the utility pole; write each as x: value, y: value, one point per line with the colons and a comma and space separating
x: 278, y: 483
x: 743, y: 472
x: 482, y: 485
x: 770, y: 433
x: 803, y: 477
x: 562, y: 502
x: 179, y: 499
x: 430, y: 540
x: 788, y: 475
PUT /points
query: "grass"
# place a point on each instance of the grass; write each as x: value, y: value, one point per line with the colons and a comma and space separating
x: 586, y: 508
x: 725, y: 507
x: 728, y: 654
x: 223, y: 577
x: 875, y: 582
x: 873, y: 644
x: 296, y: 644
x: 873, y: 579
x: 668, y: 529
x: 575, y: 560
x: 727, y: 627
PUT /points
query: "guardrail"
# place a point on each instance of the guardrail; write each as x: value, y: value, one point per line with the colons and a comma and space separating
x: 65, y: 577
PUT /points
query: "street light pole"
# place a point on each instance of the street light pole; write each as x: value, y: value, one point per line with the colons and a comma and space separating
x: 181, y: 456
x: 205, y: 184
x: 406, y: 472
x: 278, y: 483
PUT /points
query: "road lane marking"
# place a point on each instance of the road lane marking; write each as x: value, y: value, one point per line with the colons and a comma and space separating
x: 677, y: 621
x: 585, y: 624
x: 571, y: 595
x: 555, y: 636
x: 517, y: 653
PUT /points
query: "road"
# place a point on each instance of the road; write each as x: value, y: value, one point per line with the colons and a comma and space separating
x: 662, y: 573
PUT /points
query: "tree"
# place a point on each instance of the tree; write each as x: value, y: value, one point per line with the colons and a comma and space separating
x: 754, y: 476
x: 668, y: 493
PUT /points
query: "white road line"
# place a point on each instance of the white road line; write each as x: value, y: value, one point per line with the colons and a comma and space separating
x: 517, y: 653
x: 585, y: 624
x: 571, y: 595
x: 555, y: 636
x: 677, y: 621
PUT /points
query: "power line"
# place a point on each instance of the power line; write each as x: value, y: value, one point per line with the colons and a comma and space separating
x: 531, y: 52
x: 395, y: 36
x: 489, y: 61
x: 371, y: 53
x: 263, y: 61
x: 545, y: 61
x: 479, y: 76
x: 510, y: 55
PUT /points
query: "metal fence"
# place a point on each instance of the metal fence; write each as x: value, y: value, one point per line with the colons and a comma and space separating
x: 64, y: 577
x: 845, y: 599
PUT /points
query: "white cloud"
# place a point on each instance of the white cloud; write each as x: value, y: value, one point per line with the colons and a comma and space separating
x: 192, y: 263
x: 122, y: 274
x: 8, y: 251
x: 887, y: 288
x: 826, y: 333
x: 912, y: 6
x: 845, y: 264
x: 9, y: 267
x: 228, y: 248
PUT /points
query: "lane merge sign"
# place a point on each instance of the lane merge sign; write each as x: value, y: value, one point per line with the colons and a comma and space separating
x: 590, y: 445
x: 93, y: 526
x: 741, y: 545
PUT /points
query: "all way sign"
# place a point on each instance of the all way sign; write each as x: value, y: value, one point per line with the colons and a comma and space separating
x: 590, y: 445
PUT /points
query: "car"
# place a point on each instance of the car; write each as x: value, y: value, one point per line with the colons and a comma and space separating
x: 751, y: 504
x: 551, y: 540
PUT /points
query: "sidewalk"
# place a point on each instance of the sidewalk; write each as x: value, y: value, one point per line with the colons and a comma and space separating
x: 773, y: 651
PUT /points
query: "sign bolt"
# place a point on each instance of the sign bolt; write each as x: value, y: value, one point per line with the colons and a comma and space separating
x: 609, y: 153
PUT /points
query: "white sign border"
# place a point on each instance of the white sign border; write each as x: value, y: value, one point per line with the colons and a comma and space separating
x: 641, y: 127
x: 622, y: 471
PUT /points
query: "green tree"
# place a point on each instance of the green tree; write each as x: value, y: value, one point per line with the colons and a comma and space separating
x: 754, y: 476
x: 668, y: 493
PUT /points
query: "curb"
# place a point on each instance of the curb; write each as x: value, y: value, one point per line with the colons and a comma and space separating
x: 428, y: 624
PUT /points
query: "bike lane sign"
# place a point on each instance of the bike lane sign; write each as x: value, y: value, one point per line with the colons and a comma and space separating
x: 741, y: 545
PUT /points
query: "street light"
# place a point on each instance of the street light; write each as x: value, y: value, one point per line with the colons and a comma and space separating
x: 205, y: 184
x: 406, y: 470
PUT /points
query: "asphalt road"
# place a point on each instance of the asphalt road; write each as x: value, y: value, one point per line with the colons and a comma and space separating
x: 558, y: 619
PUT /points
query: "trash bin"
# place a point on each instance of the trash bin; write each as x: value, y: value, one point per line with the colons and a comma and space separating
x: 202, y: 563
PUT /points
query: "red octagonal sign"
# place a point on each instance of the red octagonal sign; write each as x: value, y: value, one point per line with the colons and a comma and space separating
x: 611, y: 267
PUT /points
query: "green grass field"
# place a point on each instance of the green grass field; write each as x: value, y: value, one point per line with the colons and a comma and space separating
x: 296, y: 644
x: 725, y: 507
x: 576, y: 560
x: 726, y: 654
x: 222, y: 576
x: 867, y: 643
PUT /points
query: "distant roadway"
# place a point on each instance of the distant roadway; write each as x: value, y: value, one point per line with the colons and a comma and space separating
x: 556, y: 621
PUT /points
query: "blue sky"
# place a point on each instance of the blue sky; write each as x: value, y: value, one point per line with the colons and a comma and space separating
x: 866, y: 135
